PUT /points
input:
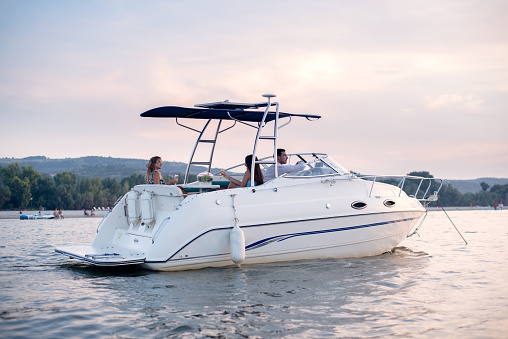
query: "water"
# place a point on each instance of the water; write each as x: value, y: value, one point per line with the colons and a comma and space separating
x: 430, y: 286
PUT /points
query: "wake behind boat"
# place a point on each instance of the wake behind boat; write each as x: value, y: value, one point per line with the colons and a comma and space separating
x: 321, y: 211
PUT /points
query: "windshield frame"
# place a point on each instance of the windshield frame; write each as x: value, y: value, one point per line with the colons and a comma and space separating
x: 316, y: 165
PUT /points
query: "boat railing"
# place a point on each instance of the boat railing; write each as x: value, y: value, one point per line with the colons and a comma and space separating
x: 420, y: 188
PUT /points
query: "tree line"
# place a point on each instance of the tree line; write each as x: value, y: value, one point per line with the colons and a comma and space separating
x: 23, y: 187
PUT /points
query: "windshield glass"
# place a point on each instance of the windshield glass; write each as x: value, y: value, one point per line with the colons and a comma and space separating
x: 335, y: 165
x: 317, y: 164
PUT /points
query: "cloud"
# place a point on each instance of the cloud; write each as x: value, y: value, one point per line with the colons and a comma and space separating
x: 466, y: 102
x: 85, y: 70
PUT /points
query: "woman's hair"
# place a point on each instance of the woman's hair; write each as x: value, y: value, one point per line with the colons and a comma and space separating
x: 150, y: 167
x: 258, y: 175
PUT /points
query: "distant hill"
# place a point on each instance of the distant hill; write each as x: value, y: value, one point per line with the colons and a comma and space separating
x: 94, y: 166
x: 474, y: 185
x: 120, y: 168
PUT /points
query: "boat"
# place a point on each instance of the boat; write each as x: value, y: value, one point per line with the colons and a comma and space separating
x: 322, y: 211
x: 36, y: 216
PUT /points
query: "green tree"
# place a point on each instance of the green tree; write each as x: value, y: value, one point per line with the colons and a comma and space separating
x: 32, y: 175
x: 5, y: 194
x: 20, y: 192
x: 484, y: 198
x: 128, y: 182
x: 64, y: 197
x: 9, y: 172
x: 65, y: 188
x: 68, y: 179
x: 501, y: 191
x: 112, y: 185
x: 484, y: 186
x: 418, y: 187
x: 44, y: 193
x: 448, y: 196
x: 88, y: 200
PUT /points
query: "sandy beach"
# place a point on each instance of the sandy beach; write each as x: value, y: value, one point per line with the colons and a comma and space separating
x: 66, y: 214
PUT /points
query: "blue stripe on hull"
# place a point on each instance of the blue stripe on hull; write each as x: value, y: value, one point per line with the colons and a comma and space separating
x: 267, y: 241
x: 278, y: 238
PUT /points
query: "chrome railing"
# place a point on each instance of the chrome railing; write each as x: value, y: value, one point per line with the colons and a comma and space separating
x: 422, y: 192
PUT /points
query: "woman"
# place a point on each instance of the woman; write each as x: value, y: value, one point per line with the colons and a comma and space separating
x: 153, y: 175
x: 258, y: 175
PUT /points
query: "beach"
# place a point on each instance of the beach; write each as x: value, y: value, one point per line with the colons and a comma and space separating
x: 67, y: 214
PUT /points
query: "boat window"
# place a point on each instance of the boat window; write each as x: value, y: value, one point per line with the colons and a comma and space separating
x: 389, y: 203
x: 336, y: 166
x: 359, y: 205
x: 318, y: 164
x: 315, y: 167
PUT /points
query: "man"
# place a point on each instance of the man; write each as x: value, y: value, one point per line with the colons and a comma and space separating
x: 282, y: 168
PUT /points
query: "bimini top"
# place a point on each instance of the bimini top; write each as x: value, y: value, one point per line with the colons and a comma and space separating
x: 223, y: 110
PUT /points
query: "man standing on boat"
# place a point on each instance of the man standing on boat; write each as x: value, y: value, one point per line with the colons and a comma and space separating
x: 282, y: 167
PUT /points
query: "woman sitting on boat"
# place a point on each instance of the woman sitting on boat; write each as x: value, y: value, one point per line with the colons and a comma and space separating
x: 153, y: 176
x: 258, y: 175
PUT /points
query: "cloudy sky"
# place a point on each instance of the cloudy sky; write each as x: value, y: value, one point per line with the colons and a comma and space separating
x: 400, y: 85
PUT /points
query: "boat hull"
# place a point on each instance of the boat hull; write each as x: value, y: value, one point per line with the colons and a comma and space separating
x: 169, y: 232
x: 335, y: 237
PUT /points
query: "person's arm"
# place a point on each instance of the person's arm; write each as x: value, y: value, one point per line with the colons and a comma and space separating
x: 300, y: 165
x: 233, y: 180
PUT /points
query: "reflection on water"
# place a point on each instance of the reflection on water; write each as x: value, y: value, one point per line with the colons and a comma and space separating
x: 431, y: 285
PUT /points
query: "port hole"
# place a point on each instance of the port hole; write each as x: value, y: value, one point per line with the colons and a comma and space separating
x: 359, y: 205
x: 389, y: 203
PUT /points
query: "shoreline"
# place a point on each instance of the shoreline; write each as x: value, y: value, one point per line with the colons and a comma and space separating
x: 101, y: 213
x: 67, y: 214
x: 460, y: 208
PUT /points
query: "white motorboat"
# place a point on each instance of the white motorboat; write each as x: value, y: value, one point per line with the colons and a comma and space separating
x: 322, y: 211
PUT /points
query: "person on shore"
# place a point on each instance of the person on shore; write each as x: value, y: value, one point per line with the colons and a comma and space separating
x: 258, y: 175
x: 60, y: 214
x: 85, y: 212
x: 55, y: 213
x: 153, y: 176
x: 282, y: 167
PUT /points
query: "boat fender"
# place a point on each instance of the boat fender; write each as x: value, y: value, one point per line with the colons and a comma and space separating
x: 132, y: 208
x: 146, y: 207
x: 237, y: 245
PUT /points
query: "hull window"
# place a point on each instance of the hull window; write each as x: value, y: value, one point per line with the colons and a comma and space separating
x: 359, y: 205
x: 389, y: 203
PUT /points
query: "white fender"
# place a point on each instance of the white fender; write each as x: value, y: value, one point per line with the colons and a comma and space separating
x: 133, y: 208
x: 146, y: 207
x: 237, y: 245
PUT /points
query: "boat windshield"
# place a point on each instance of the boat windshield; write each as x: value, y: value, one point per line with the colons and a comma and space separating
x: 317, y: 164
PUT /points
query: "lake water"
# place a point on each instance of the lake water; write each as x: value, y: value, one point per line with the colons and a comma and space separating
x: 430, y: 286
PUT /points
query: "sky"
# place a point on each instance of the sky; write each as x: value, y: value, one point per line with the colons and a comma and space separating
x: 401, y: 85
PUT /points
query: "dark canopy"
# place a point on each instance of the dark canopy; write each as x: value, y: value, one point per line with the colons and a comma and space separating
x: 214, y: 113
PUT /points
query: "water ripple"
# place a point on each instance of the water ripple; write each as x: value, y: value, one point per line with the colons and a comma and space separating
x: 430, y: 286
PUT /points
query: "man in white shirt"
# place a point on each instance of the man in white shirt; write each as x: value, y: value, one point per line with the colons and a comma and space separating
x: 282, y: 168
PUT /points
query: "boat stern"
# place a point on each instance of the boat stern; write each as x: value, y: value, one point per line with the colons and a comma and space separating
x: 101, y: 256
